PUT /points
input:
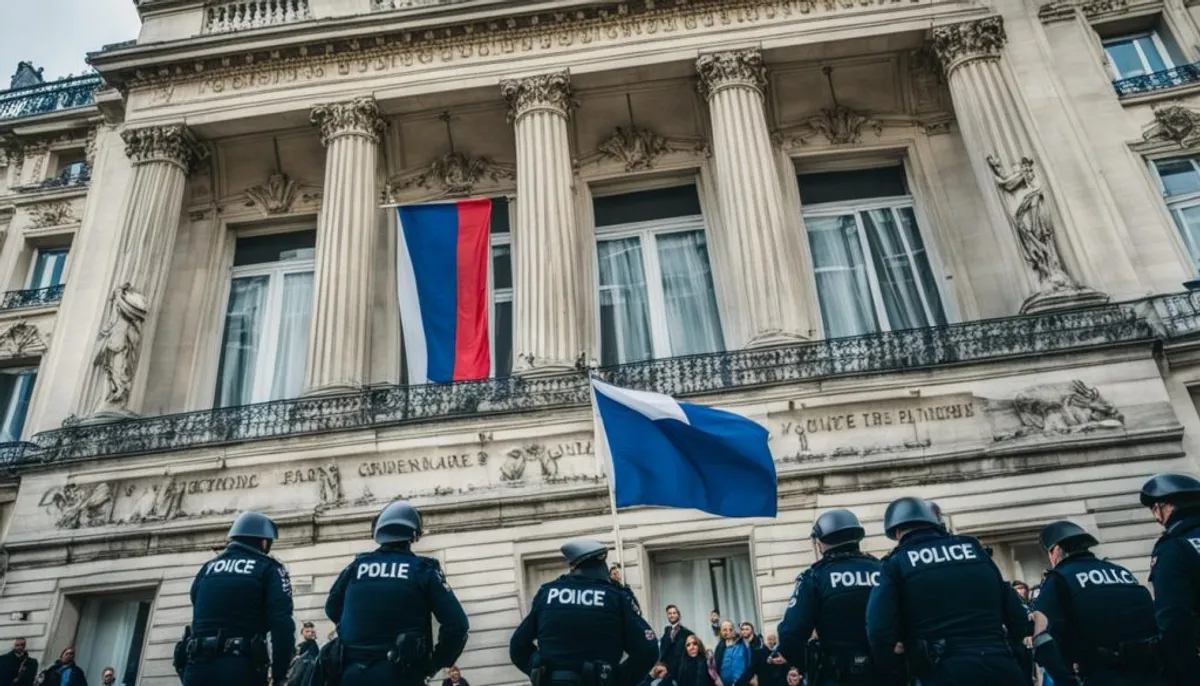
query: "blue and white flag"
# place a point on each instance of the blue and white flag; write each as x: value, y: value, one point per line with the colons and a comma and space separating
x: 672, y: 454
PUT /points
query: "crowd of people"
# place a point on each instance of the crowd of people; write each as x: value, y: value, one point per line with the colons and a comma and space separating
x: 19, y: 668
x: 739, y: 656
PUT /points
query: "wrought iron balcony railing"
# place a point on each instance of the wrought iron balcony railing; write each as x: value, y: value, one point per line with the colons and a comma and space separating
x: 1159, y: 80
x: 34, y: 297
x: 79, y: 174
x: 64, y: 94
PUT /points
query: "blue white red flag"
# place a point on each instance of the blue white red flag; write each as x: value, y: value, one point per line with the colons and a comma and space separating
x: 443, y: 254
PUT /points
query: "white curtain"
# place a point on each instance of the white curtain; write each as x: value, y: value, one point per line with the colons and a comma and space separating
x: 690, y: 585
x: 693, y: 324
x: 292, y: 351
x: 105, y: 635
x: 842, y: 287
x: 243, y: 333
x: 624, y: 310
x: 897, y: 283
x: 1188, y: 221
x: 16, y: 388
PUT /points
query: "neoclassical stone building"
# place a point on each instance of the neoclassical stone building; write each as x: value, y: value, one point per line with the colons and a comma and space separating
x: 935, y: 247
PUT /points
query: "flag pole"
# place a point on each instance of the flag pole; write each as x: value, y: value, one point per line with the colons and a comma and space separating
x: 605, y: 458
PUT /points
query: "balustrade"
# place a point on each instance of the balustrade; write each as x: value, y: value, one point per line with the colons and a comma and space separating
x: 243, y: 15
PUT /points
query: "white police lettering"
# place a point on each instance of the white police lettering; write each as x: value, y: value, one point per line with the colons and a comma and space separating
x: 859, y: 579
x: 242, y: 566
x: 1195, y: 543
x: 588, y: 597
x: 1105, y: 576
x: 383, y: 570
x: 958, y: 552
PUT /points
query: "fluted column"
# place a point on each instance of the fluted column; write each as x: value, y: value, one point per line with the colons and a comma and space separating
x: 161, y: 156
x: 546, y: 239
x: 1004, y: 156
x: 339, y: 342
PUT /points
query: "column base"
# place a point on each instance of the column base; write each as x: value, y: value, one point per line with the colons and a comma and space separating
x: 1063, y: 299
x: 775, y: 337
x: 529, y: 366
x: 333, y: 389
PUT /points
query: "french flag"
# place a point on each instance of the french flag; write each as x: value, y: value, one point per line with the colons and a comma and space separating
x: 443, y: 256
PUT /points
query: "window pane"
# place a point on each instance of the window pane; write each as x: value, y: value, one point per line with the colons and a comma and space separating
x: 276, y: 247
x: 933, y: 299
x: 48, y: 268
x: 624, y: 311
x: 842, y: 288
x: 500, y: 223
x: 903, y: 291
x: 1125, y: 59
x: 501, y: 267
x: 16, y: 388
x: 1151, y: 53
x: 693, y: 325
x: 882, y: 182
x: 239, y: 351
x: 502, y: 326
x: 1188, y: 221
x: 291, y: 353
x: 1178, y: 176
x: 644, y: 206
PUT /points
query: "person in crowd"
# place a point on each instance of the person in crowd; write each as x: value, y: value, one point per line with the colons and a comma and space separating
x: 454, y: 677
x: 1022, y: 590
x: 1174, y: 500
x: 751, y: 636
x: 108, y: 677
x: 695, y: 667
x: 306, y: 656
x: 64, y: 672
x: 614, y: 575
x: 793, y: 677
x: 714, y: 619
x: 770, y: 667
x: 658, y: 676
x: 17, y: 667
x: 671, y: 643
x: 308, y: 645
x: 733, y: 658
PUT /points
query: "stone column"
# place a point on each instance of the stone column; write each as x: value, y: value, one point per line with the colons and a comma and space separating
x: 1004, y: 155
x: 162, y: 157
x: 546, y: 240
x: 768, y: 307
x: 339, y: 343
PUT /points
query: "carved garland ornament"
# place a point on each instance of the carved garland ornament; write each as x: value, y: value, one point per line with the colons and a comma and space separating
x: 723, y: 69
x: 20, y: 340
x: 358, y: 117
x: 957, y: 43
x: 456, y: 173
x: 51, y: 214
x: 172, y: 143
x: 1174, y: 123
x: 639, y: 149
x: 550, y: 92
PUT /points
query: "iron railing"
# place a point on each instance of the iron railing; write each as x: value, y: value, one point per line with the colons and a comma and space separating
x: 14, y: 455
x: 1159, y: 80
x: 75, y: 175
x: 34, y: 297
x: 64, y: 94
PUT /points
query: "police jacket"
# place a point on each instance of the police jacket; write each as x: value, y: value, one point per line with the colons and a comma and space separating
x: 939, y: 586
x: 831, y: 597
x: 1093, y: 605
x: 392, y: 591
x: 244, y: 592
x: 582, y: 617
x: 1175, y: 575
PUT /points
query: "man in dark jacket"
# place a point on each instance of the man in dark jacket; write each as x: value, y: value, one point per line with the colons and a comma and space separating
x: 770, y: 667
x: 65, y: 672
x: 674, y: 637
x: 17, y: 668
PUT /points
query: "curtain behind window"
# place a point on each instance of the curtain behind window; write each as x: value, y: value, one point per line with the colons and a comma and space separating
x: 693, y: 323
x: 292, y: 352
x: 842, y: 287
x: 16, y: 388
x: 243, y: 331
x: 624, y: 311
x: 690, y: 584
x: 106, y: 631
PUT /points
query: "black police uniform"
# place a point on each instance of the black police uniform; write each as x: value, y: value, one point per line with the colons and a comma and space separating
x: 944, y: 598
x: 237, y: 599
x: 1101, y: 619
x: 580, y: 622
x: 1175, y: 575
x: 383, y: 595
x: 831, y: 597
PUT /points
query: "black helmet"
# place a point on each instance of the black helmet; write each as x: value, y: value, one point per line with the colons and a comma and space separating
x: 1170, y: 487
x: 581, y: 550
x: 837, y: 527
x: 398, y: 523
x: 1057, y: 533
x: 251, y: 524
x: 908, y: 510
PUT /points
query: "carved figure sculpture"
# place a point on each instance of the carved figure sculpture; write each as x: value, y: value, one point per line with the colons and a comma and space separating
x: 513, y: 467
x: 1033, y: 223
x: 79, y: 505
x: 330, y: 482
x: 120, y: 343
x: 1066, y: 408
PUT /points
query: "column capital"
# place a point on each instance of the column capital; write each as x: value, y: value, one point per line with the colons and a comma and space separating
x: 550, y: 92
x: 958, y: 43
x: 357, y: 117
x: 172, y: 143
x: 735, y: 68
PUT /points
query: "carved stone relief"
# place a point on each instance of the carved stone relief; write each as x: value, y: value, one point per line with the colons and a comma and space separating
x: 120, y: 343
x: 956, y: 43
x: 513, y: 467
x: 20, y: 340
x: 74, y: 506
x: 51, y: 214
x: 1064, y: 408
x: 840, y: 125
x: 638, y: 148
x: 1032, y: 221
x: 1063, y: 10
x: 455, y: 173
x: 172, y: 143
x: 1174, y: 123
x: 276, y: 195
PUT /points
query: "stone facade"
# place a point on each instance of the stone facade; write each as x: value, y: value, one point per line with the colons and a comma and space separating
x: 1057, y: 377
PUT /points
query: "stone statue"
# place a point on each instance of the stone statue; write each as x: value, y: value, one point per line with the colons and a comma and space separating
x: 330, y: 482
x: 1033, y: 223
x: 121, y: 342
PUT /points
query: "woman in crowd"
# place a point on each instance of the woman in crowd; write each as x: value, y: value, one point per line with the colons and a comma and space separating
x: 695, y: 669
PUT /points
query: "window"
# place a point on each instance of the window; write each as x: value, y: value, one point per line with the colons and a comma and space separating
x: 1179, y: 182
x: 48, y: 268
x: 700, y: 581
x: 16, y: 388
x: 111, y: 633
x: 265, y: 347
x: 502, y: 294
x: 872, y: 270
x: 656, y: 296
x: 1137, y: 54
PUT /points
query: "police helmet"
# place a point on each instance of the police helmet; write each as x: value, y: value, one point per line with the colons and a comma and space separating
x: 838, y: 527
x: 398, y: 523
x: 1171, y: 488
x: 581, y: 550
x: 908, y: 510
x: 1058, y: 533
x: 250, y: 524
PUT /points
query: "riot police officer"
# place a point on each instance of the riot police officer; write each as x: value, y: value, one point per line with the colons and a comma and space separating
x: 382, y: 604
x: 1097, y: 614
x: 831, y: 597
x: 942, y: 604
x: 238, y: 598
x: 1174, y: 499
x: 580, y: 625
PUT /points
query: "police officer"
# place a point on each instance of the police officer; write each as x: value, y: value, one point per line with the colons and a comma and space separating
x: 831, y: 597
x: 1096, y: 616
x: 238, y: 598
x: 382, y: 604
x: 580, y: 625
x: 1174, y: 499
x: 942, y: 604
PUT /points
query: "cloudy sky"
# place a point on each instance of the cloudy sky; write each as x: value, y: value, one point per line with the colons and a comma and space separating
x: 56, y: 34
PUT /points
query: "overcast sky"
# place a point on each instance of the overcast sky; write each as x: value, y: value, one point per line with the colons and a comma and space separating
x: 57, y: 34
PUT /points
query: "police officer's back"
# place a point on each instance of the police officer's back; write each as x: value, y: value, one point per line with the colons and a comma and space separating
x: 1099, y: 617
x: 1174, y: 499
x: 580, y: 625
x: 831, y: 597
x: 383, y: 602
x: 944, y: 599
x: 237, y: 599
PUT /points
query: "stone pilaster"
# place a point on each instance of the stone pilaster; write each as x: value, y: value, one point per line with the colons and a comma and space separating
x: 162, y: 157
x: 546, y: 240
x: 339, y: 344
x: 766, y: 303
x: 1004, y: 155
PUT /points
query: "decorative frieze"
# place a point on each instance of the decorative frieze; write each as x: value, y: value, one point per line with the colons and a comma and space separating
x: 1174, y: 123
x: 455, y: 173
x: 1063, y: 10
x: 638, y: 148
x: 58, y: 213
x: 275, y: 195
x: 735, y: 68
x: 357, y: 117
x: 546, y: 92
x: 172, y: 143
x: 956, y: 44
x: 21, y: 340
